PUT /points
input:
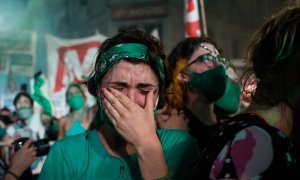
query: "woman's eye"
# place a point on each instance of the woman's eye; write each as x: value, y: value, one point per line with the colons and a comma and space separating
x: 119, y: 88
x: 145, y: 90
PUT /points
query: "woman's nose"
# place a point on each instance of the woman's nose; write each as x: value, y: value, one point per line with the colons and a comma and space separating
x: 134, y: 95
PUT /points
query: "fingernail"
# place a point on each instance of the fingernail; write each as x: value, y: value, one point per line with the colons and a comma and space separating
x: 102, y: 90
x: 109, y: 89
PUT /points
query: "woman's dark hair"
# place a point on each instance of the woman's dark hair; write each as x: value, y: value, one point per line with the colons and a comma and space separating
x: 273, y: 58
x: 19, y: 95
x: 178, y: 59
x: 185, y: 48
x: 155, y: 49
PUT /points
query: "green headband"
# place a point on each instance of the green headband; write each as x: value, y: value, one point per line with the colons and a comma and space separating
x: 125, y: 51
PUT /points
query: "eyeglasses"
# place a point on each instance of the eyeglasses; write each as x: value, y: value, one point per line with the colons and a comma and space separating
x: 211, y: 60
x: 212, y: 55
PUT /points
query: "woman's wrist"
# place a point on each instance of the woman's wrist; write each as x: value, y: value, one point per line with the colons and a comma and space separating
x: 13, y: 174
x: 169, y: 176
x: 151, y: 159
x: 148, y: 146
x: 14, y: 171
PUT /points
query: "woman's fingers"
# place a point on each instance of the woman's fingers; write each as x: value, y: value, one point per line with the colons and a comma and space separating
x: 112, y: 104
x: 149, y: 101
x: 111, y: 109
x: 27, y: 143
x: 114, y: 95
x: 113, y: 98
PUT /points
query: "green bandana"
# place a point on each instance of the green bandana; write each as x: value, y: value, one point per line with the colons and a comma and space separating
x: 125, y: 51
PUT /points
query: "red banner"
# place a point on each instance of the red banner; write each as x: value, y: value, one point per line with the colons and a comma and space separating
x: 69, y: 61
x: 193, y: 17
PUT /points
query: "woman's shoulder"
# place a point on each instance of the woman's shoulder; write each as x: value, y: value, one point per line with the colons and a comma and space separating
x: 175, y: 136
x: 72, y: 143
x: 254, y: 125
x: 173, y: 133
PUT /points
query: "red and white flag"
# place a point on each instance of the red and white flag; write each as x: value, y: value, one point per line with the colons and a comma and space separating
x: 69, y: 61
x: 192, y: 19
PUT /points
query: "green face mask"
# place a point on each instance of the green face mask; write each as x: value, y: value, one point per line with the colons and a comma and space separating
x: 76, y: 102
x: 107, y: 121
x: 211, y: 83
x: 2, y: 132
x: 24, y: 113
x: 230, y: 101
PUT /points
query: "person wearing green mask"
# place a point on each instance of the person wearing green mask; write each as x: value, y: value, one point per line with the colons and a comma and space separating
x: 28, y: 123
x: 129, y: 79
x: 79, y: 118
x: 5, y: 121
x: 204, y: 88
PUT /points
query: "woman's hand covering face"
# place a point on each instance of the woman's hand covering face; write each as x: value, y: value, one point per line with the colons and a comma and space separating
x: 134, y: 123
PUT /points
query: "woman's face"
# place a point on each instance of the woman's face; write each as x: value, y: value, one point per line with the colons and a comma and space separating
x: 23, y: 102
x: 200, y: 67
x: 73, y: 91
x: 133, y: 80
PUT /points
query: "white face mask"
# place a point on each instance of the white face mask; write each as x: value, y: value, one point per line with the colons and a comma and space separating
x: 156, y: 103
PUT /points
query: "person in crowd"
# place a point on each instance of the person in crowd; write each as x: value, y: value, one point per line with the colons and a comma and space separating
x: 129, y: 78
x: 79, y: 118
x: 41, y: 96
x: 5, y: 121
x: 51, y: 125
x: 203, y: 89
x: 20, y: 161
x: 28, y: 123
x: 5, y: 116
x: 255, y: 144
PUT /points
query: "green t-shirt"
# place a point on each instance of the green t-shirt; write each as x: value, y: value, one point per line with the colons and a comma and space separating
x: 84, y: 157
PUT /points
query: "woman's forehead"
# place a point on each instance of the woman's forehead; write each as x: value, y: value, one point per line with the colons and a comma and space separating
x: 200, y: 51
x: 128, y: 72
x: 23, y: 98
x: 74, y: 89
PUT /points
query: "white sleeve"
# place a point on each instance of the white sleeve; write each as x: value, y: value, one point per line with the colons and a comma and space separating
x: 11, y: 130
